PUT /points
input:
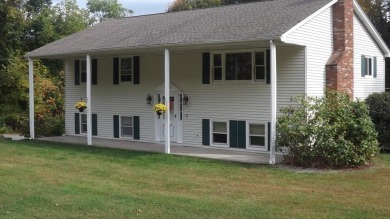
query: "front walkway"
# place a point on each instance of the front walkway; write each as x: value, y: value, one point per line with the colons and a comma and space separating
x: 202, y: 152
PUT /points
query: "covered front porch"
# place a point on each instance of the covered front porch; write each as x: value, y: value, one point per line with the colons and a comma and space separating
x: 250, y: 157
x: 183, y: 66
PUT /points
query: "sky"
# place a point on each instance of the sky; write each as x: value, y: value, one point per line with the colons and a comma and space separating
x: 140, y: 7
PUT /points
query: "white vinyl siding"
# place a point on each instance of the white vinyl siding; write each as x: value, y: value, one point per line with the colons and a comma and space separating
x: 364, y: 44
x: 218, y: 102
x: 316, y: 35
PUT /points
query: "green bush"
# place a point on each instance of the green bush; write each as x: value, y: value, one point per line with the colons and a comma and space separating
x: 379, y: 107
x: 328, y: 132
x: 44, y: 127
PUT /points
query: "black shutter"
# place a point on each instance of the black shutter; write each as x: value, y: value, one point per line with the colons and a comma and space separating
x: 94, y: 71
x: 116, y: 70
x: 136, y: 69
x: 94, y: 125
x: 268, y: 70
x: 116, y: 126
x: 375, y: 70
x: 205, y: 131
x: 136, y: 127
x: 77, y: 123
x: 241, y: 134
x: 76, y: 72
x: 363, y: 66
x: 233, y: 131
x: 206, y: 68
x: 269, y: 136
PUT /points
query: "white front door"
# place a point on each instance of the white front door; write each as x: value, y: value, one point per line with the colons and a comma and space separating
x: 174, y: 110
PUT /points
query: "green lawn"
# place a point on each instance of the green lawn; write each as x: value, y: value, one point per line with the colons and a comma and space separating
x: 50, y: 180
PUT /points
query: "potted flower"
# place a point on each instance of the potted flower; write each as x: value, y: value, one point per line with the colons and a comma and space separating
x: 81, y: 105
x: 160, y: 108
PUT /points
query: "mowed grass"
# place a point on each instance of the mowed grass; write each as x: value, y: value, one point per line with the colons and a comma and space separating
x: 51, y: 180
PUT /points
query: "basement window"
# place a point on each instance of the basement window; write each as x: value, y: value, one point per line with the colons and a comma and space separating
x: 83, y: 124
x: 257, y: 135
x: 219, y: 132
x: 127, y: 127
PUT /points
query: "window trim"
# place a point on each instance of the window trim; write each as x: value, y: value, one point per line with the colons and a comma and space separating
x: 120, y: 127
x: 212, y: 143
x: 367, y: 67
x: 132, y: 69
x: 248, y: 135
x: 223, y: 62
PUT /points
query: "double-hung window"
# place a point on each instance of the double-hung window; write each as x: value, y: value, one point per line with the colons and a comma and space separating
x: 83, y: 124
x: 126, y: 69
x: 257, y: 135
x: 239, y: 66
x: 126, y: 127
x: 369, y: 66
x: 83, y: 71
x: 219, y: 134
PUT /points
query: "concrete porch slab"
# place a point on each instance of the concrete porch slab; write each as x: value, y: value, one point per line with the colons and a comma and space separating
x: 252, y: 157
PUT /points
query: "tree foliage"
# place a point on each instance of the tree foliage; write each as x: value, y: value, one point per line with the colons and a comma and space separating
x: 103, y: 9
x: 183, y: 5
x: 379, y: 105
x: 25, y: 26
x: 11, y: 29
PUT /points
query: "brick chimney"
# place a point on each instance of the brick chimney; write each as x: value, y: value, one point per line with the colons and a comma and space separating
x: 339, y: 68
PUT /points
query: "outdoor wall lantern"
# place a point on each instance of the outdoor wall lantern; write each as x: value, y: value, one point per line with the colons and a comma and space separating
x: 149, y: 99
x: 185, y: 99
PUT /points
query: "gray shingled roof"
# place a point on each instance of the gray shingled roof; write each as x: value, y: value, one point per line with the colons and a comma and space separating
x: 258, y: 20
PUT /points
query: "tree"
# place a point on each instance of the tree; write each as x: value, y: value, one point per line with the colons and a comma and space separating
x: 183, y: 5
x: 377, y: 11
x: 34, y: 7
x: 54, y: 23
x: 103, y: 9
x: 11, y: 31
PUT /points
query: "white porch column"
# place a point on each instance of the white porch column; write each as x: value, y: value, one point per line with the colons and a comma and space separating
x: 273, y: 102
x: 167, y: 103
x: 89, y: 105
x: 31, y: 96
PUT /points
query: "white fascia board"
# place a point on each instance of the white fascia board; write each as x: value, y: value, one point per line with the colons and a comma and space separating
x: 283, y: 38
x: 370, y: 28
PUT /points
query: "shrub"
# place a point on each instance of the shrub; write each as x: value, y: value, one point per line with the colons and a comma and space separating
x: 328, y: 132
x: 44, y: 127
x: 379, y: 107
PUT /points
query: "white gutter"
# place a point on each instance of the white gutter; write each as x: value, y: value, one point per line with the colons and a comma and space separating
x: 157, y: 46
